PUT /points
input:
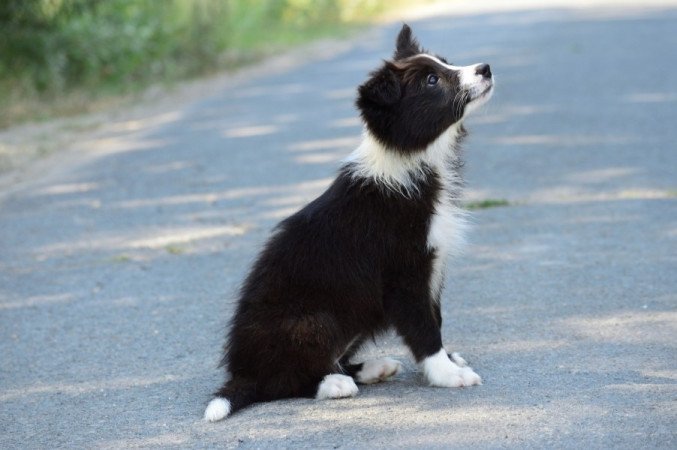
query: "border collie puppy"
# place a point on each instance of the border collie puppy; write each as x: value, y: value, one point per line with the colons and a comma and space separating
x: 369, y: 253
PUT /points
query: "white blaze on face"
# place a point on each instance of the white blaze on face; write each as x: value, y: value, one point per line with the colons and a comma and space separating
x: 479, y: 88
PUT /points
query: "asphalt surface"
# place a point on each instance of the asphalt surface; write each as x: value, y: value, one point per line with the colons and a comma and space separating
x: 118, y: 272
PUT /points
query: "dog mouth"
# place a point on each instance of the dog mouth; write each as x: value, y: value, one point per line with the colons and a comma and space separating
x: 483, y: 93
x: 486, y: 91
x: 478, y: 95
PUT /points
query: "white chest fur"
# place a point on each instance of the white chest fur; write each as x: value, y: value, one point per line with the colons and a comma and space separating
x: 397, y: 172
x: 446, y: 234
x: 445, y: 238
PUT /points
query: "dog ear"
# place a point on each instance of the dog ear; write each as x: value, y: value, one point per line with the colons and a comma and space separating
x: 406, y: 44
x: 382, y: 89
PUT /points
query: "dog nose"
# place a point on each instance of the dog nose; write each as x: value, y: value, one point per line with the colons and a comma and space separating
x: 484, y: 70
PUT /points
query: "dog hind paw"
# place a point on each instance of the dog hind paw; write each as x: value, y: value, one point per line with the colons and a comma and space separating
x: 336, y: 386
x: 376, y: 370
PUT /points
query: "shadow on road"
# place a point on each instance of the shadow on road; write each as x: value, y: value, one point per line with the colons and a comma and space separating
x: 117, y: 278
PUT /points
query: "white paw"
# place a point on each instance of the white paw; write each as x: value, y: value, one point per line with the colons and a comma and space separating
x: 217, y: 409
x: 455, y: 357
x: 440, y: 371
x: 377, y: 370
x: 336, y: 386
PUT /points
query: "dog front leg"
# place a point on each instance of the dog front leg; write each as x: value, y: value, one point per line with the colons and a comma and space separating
x: 417, y: 322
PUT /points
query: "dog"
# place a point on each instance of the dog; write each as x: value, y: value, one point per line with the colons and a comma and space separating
x: 368, y: 255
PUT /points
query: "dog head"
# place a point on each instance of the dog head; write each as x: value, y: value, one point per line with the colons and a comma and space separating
x: 412, y: 99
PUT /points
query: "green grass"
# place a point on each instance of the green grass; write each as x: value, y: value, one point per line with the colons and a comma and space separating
x: 121, y: 258
x: 175, y: 249
x: 62, y: 57
x: 487, y: 203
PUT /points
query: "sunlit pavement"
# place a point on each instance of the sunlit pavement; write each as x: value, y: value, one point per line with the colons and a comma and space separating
x: 118, y: 274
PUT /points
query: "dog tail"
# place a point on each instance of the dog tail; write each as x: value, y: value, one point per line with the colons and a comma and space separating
x: 233, y: 396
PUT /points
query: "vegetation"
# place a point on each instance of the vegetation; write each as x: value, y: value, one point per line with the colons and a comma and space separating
x: 54, y: 48
x: 487, y: 203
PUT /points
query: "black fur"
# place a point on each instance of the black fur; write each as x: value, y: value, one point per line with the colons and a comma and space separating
x: 341, y: 268
x: 355, y: 261
x: 398, y: 106
x: 406, y: 44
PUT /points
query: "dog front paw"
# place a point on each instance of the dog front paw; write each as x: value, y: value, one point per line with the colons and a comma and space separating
x: 440, y: 371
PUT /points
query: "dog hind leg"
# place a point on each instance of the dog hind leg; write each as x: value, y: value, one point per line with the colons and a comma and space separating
x: 374, y: 370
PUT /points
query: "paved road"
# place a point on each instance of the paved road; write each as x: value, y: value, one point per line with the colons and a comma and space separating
x: 117, y: 275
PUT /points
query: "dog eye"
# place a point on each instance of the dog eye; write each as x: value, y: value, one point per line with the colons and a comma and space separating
x: 432, y: 79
